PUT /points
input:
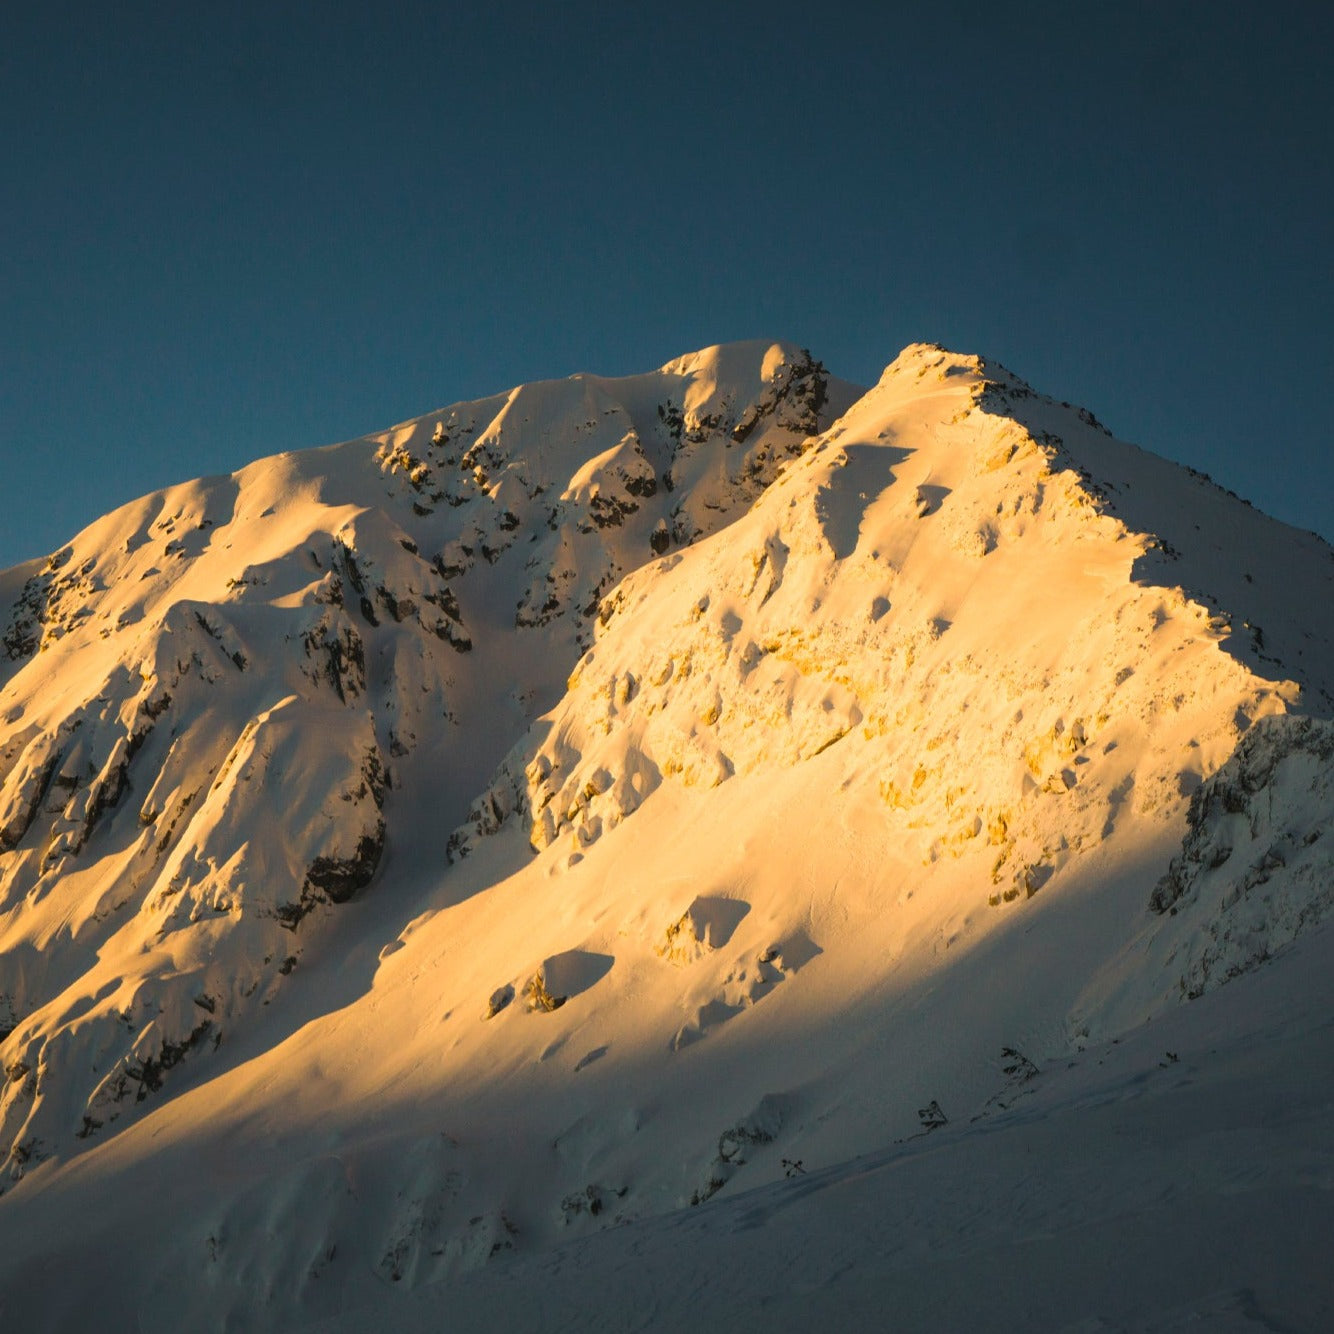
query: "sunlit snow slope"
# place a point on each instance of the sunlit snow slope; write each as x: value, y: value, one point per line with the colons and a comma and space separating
x: 579, y: 804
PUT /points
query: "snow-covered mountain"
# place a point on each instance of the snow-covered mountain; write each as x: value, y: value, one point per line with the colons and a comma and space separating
x: 571, y: 806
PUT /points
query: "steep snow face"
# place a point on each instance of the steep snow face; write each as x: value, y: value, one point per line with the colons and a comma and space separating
x: 809, y: 785
x: 938, y: 592
x: 220, y: 701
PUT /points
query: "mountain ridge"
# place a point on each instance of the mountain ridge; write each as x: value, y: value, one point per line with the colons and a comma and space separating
x: 320, y: 579
x: 790, y: 727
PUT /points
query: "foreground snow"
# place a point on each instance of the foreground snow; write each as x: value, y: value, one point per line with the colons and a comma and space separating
x: 1179, y: 1179
x: 433, y: 864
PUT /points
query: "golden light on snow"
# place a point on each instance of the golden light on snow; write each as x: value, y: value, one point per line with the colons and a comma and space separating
x: 614, y: 794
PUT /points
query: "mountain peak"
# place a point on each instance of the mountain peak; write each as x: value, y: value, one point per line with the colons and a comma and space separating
x: 576, y: 803
x: 739, y: 361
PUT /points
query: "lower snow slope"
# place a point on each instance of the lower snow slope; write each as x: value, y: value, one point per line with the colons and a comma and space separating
x: 858, y: 819
x: 1181, y: 1179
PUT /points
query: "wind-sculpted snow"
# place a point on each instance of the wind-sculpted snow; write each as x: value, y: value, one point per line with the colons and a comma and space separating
x: 613, y: 795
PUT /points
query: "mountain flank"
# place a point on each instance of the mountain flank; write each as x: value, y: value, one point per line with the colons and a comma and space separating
x: 612, y: 797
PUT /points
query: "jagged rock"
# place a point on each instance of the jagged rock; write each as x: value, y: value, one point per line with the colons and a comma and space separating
x: 762, y: 1126
x: 931, y: 1117
x: 339, y: 654
x: 340, y: 877
x: 537, y: 996
x: 1255, y: 869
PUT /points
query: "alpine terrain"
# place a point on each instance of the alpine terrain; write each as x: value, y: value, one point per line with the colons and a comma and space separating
x: 710, y: 849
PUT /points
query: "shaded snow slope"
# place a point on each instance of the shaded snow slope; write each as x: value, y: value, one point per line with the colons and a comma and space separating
x: 1179, y: 1180
x: 615, y: 795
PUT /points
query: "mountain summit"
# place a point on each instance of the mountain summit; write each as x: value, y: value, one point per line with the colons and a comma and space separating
x: 585, y: 802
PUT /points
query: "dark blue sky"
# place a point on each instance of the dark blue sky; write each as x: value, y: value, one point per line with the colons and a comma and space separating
x: 229, y: 230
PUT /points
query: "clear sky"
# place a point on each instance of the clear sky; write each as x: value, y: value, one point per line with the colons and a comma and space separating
x: 228, y: 230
